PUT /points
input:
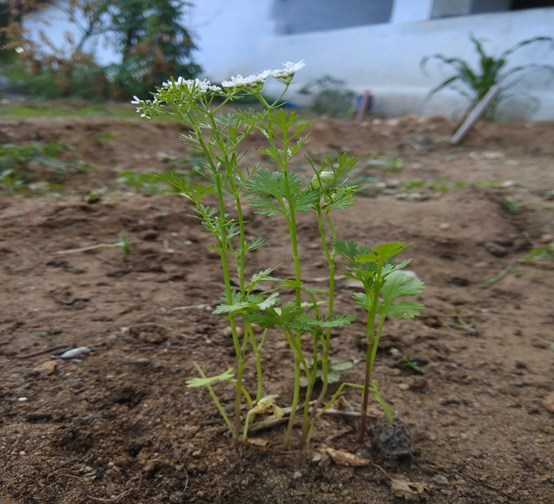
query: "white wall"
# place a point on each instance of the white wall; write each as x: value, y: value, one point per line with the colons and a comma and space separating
x: 238, y: 36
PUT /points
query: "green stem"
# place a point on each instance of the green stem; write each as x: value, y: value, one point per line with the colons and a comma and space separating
x: 326, y: 342
x: 371, y: 347
x: 216, y: 401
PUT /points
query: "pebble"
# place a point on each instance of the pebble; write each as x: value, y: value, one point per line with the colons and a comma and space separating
x: 444, y: 226
x: 403, y: 386
x: 37, y: 416
x: 496, y: 250
x: 440, y: 480
x: 548, y: 402
x: 297, y: 475
x: 74, y: 353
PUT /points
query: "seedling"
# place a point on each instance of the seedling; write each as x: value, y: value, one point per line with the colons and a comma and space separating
x: 219, y: 139
x: 390, y: 163
x: 145, y: 181
x: 383, y: 283
x: 122, y: 243
x: 410, y: 364
x: 47, y: 335
x: 511, y: 207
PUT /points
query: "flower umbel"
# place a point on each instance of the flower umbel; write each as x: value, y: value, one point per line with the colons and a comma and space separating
x: 285, y: 75
x: 254, y: 82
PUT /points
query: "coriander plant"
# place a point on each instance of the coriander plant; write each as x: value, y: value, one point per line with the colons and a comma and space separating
x: 219, y: 202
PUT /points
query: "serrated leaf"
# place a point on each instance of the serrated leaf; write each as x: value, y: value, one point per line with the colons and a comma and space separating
x: 236, y: 307
x: 270, y: 301
x: 396, y: 285
x: 265, y: 206
x: 303, y: 322
x: 403, y: 310
x: 267, y: 183
x: 381, y: 253
x: 306, y: 200
x: 361, y: 299
x: 399, y: 284
x: 263, y: 275
x: 202, y: 382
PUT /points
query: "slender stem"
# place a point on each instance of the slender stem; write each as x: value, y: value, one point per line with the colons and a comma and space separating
x: 216, y: 400
x: 371, y: 347
x: 326, y: 342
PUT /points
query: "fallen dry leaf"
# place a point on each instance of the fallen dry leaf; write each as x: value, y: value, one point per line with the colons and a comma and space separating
x: 257, y: 442
x: 548, y: 402
x: 408, y: 490
x: 344, y: 458
x: 47, y: 367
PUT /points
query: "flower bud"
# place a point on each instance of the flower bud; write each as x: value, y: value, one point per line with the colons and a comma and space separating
x: 322, y: 179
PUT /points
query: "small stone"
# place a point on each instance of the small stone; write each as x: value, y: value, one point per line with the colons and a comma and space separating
x: 228, y: 332
x: 37, y: 416
x: 444, y: 226
x: 297, y: 475
x: 177, y: 497
x: 440, y: 480
x: 546, y: 238
x: 403, y: 386
x: 548, y: 402
x: 418, y: 383
x: 496, y: 250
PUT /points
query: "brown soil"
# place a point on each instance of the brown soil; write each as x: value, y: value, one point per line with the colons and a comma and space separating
x: 119, y: 424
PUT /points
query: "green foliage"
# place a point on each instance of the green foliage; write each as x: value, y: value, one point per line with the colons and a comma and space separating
x: 537, y: 254
x: 329, y: 99
x: 511, y: 207
x: 334, y: 369
x: 154, y: 44
x: 147, y: 182
x: 23, y: 165
x: 390, y: 163
x: 148, y: 34
x: 474, y: 84
x: 383, y: 284
x: 256, y: 299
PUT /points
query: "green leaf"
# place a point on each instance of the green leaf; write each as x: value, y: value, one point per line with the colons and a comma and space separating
x: 332, y: 376
x: 349, y: 250
x: 267, y: 183
x: 382, y: 253
x: 403, y: 310
x: 379, y: 398
x: 265, y: 206
x: 396, y: 285
x: 303, y: 322
x: 202, y: 382
x: 306, y: 200
x: 263, y: 275
x: 341, y: 365
x: 399, y: 284
x: 362, y: 300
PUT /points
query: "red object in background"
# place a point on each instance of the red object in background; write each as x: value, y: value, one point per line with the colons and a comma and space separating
x: 364, y: 104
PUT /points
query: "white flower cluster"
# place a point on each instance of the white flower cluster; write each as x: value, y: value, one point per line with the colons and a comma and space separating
x: 257, y: 80
x: 289, y: 70
x: 239, y: 81
x: 195, y: 85
x: 190, y: 90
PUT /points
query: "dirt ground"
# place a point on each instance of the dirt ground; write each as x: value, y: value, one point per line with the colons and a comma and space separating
x: 119, y: 424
